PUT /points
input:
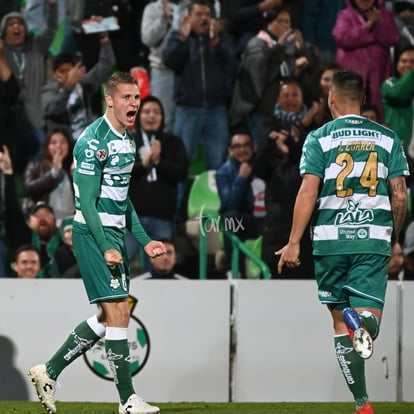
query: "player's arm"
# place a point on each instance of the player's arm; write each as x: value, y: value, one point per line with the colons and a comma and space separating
x: 398, y: 194
x: 302, y: 213
x: 151, y: 247
x: 134, y: 225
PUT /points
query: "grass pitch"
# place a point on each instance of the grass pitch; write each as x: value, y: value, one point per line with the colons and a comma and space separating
x: 11, y: 407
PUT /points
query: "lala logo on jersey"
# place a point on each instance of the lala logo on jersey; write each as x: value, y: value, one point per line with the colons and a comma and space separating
x: 354, y: 218
x: 354, y: 215
x: 101, y: 155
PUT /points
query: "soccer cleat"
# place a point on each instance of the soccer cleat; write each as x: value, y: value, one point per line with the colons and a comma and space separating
x: 366, y: 409
x: 136, y: 405
x: 361, y: 339
x: 45, y: 387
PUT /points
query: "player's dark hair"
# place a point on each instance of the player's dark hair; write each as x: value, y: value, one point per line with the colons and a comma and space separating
x: 25, y: 248
x: 63, y: 58
x: 350, y: 84
x: 201, y: 3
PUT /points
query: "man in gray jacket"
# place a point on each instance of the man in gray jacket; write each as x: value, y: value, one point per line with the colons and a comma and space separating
x: 158, y: 19
x: 66, y: 97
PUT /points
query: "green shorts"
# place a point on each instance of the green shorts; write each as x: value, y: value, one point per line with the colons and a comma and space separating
x: 358, y: 280
x: 102, y: 284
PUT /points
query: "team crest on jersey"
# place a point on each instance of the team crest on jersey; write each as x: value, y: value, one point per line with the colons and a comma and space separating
x: 101, y: 155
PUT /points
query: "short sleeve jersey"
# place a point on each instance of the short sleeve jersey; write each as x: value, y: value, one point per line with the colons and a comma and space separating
x: 355, y: 158
x: 104, y: 152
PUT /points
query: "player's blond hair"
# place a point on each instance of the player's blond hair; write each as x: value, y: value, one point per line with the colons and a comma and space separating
x: 117, y: 78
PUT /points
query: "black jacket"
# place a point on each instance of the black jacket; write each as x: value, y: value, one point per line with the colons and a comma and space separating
x: 159, y: 198
x: 204, y: 75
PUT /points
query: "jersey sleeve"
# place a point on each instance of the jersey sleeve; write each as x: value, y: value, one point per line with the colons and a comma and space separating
x: 134, y: 225
x: 311, y: 161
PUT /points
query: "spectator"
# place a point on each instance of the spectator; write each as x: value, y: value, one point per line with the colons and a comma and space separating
x: 7, y: 6
x: 80, y: 12
x: 26, y: 263
x: 408, y: 252
x: 49, y: 178
x: 66, y: 98
x: 404, y: 19
x: 9, y: 89
x: 38, y: 229
x: 290, y: 106
x: 234, y: 185
x: 246, y: 18
x: 33, y: 11
x: 318, y: 20
x: 364, y: 33
x: 203, y: 60
x: 397, y: 94
x: 396, y: 264
x: 162, y: 267
x: 27, y: 56
x: 65, y: 256
x: 75, y: 15
x: 370, y: 111
x: 156, y: 25
x: 160, y: 165
x: 277, y: 163
x: 318, y: 112
x: 128, y: 49
x: 268, y: 57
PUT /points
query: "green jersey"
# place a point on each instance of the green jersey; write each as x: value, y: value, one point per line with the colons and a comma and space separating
x: 355, y: 158
x: 104, y: 159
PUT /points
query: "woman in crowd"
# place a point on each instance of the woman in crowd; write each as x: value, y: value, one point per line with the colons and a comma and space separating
x: 364, y: 33
x: 49, y: 178
x: 160, y: 165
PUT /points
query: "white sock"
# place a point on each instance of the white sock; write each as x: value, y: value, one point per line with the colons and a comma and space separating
x: 96, y: 326
x: 116, y: 334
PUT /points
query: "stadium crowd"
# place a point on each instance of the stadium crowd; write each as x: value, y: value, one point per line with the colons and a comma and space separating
x: 256, y: 70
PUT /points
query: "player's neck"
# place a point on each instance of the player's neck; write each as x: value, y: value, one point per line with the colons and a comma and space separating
x: 115, y: 123
x: 346, y: 110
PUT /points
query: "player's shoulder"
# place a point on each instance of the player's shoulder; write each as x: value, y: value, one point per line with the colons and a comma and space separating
x: 92, y: 140
x: 92, y: 130
x: 353, y: 121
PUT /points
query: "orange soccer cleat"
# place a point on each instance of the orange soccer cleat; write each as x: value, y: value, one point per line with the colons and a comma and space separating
x: 366, y: 409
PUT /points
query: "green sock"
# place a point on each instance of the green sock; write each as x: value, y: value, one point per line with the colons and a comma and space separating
x: 118, y: 357
x: 353, y: 369
x: 370, y: 322
x: 78, y: 342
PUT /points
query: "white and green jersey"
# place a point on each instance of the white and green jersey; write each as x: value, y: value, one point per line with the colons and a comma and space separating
x: 103, y: 153
x: 355, y: 158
